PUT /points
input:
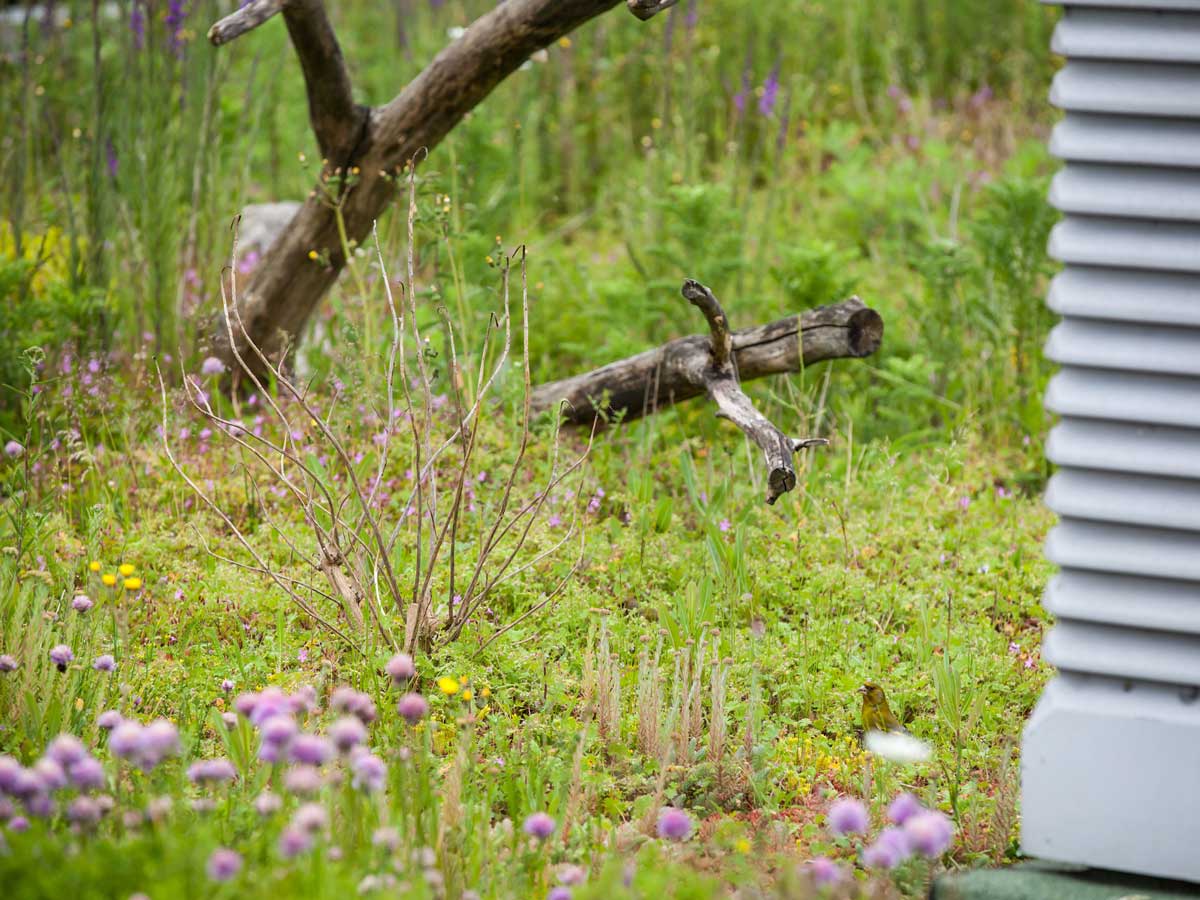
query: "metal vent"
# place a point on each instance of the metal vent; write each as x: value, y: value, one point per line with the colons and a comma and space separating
x: 1111, y: 755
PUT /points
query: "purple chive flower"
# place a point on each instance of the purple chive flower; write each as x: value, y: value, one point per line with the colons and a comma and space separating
x: 370, y: 772
x: 347, y: 733
x: 125, y: 739
x: 87, y: 774
x: 157, y: 741
x: 303, y: 699
x: 348, y: 700
x: 223, y: 865
x: 825, y: 871
x: 104, y: 663
x: 82, y: 603
x: 227, y: 685
x: 61, y: 655
x: 847, y: 816
x: 401, y: 668
x: 8, y: 663
x: 50, y: 773
x: 66, y: 749
x: 229, y: 720
x: 413, y: 708
x: 571, y: 875
x: 561, y: 892
x: 303, y: 780
x: 13, y: 449
x: 539, y: 825
x: 770, y: 94
x: 310, y: 818
x: 211, y: 771
x: 83, y: 811
x: 903, y: 808
x: 725, y: 525
x: 310, y: 749
x: 109, y: 719
x: 889, y: 850
x: 266, y: 803
x: 40, y: 805
x: 10, y: 774
x: 674, y: 824
x: 279, y: 730
x: 929, y: 833
x: 293, y: 842
x: 18, y: 824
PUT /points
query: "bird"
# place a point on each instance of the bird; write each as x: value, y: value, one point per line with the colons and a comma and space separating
x: 876, y: 714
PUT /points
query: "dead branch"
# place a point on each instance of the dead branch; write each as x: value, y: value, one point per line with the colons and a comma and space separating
x: 716, y: 366
x: 647, y: 9
x: 242, y: 20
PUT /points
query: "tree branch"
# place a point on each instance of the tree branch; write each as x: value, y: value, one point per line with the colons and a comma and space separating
x: 336, y: 120
x: 705, y: 301
x: 647, y: 9
x: 242, y: 20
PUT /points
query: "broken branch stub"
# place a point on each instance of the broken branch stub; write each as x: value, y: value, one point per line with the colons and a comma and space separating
x: 715, y: 366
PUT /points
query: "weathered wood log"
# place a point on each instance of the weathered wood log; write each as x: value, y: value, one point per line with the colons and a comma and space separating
x: 370, y: 147
x: 716, y: 365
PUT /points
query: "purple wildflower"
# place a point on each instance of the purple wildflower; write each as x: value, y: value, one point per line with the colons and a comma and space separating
x: 66, y: 749
x: 109, y: 719
x: 61, y: 655
x: 890, y: 849
x: 83, y: 811
x: 370, y: 771
x: 211, y: 771
x: 929, y: 833
x: 87, y: 774
x: 8, y: 663
x: 310, y: 818
x: 560, y: 892
x: 303, y: 780
x: 674, y: 824
x: 279, y: 730
x: 413, y: 708
x: 293, y: 842
x: 310, y: 749
x: 40, y: 805
x: 212, y: 366
x: 227, y: 685
x: 847, y: 816
x: 51, y: 774
x: 110, y: 158
x: 539, y: 825
x: 17, y: 824
x: 157, y: 741
x: 125, y: 739
x: 824, y: 871
x: 347, y: 700
x: 223, y: 865
x: 82, y: 603
x: 347, y: 733
x: 176, y: 15
x: 104, y: 663
x: 903, y: 808
x: 13, y: 449
x: 266, y: 803
x: 401, y: 668
x: 770, y: 93
x: 137, y: 24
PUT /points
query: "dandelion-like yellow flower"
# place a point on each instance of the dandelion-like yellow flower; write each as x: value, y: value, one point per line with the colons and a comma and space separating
x: 312, y: 254
x: 485, y: 693
x: 126, y: 569
x: 447, y: 685
x: 132, y: 584
x: 467, y: 695
x: 94, y: 565
x: 109, y: 579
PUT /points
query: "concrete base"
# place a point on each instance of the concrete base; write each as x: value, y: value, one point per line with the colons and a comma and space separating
x: 1045, y: 881
x: 1110, y: 777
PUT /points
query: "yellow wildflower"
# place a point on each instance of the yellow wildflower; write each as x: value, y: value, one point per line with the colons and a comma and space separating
x: 132, y: 584
x: 467, y: 695
x: 94, y: 565
x: 109, y: 579
x: 126, y: 569
x: 447, y: 685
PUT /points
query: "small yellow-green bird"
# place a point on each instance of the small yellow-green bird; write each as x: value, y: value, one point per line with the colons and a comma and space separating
x: 876, y: 714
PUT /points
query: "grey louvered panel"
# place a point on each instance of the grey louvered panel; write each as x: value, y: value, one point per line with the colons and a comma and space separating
x: 1124, y: 652
x: 1122, y: 139
x: 1125, y: 397
x: 1136, y: 89
x: 1155, y: 297
x: 1119, y: 447
x: 1125, y: 549
x: 1129, y: 35
x: 1127, y: 243
x: 1125, y: 345
x: 1125, y: 600
x: 1125, y: 498
x: 1134, y: 192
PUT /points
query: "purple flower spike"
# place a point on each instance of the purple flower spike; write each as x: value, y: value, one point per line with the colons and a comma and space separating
x: 400, y: 668
x: 770, y: 93
x: 825, y: 871
x: 847, y: 816
x: 104, y: 663
x: 674, y: 824
x: 87, y: 774
x: 413, y: 707
x: 347, y: 733
x: 223, y: 865
x: 929, y: 833
x: 61, y: 655
x: 903, y: 808
x: 310, y: 749
x: 539, y: 825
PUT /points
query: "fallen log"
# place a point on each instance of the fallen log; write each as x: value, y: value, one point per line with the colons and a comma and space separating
x: 715, y: 366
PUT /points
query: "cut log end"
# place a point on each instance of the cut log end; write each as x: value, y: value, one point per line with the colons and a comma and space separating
x: 864, y: 332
